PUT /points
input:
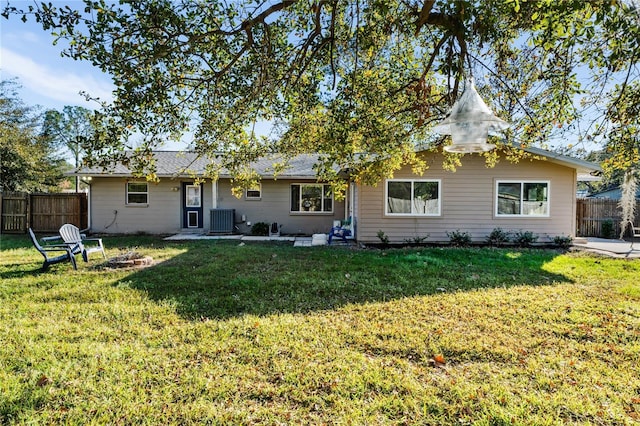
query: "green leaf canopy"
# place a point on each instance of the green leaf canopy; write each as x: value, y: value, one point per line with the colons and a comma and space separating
x: 361, y: 82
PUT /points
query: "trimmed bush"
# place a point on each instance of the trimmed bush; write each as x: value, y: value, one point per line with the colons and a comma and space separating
x: 459, y: 238
x: 607, y: 229
x: 525, y: 238
x: 562, y: 241
x: 260, y: 228
x: 498, y: 237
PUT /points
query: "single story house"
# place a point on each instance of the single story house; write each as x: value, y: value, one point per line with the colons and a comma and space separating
x: 536, y: 195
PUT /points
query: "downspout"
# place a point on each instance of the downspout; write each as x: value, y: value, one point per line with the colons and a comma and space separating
x: 214, y: 194
x: 352, y: 210
x: 86, y: 182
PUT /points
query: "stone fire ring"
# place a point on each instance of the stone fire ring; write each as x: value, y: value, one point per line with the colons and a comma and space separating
x: 131, y: 263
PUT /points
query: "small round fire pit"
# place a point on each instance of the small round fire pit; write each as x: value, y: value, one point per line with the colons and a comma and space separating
x: 131, y: 259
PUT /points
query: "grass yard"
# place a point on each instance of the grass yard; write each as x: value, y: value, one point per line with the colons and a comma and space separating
x: 221, y: 333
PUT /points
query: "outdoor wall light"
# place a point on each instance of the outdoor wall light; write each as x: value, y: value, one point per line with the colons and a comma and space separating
x: 469, y: 123
x: 175, y: 189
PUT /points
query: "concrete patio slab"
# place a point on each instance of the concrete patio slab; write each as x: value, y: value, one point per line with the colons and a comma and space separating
x: 245, y: 238
x: 194, y: 236
x: 613, y: 248
x: 297, y: 241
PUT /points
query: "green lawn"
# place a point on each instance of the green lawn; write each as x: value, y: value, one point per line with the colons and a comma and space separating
x: 222, y: 333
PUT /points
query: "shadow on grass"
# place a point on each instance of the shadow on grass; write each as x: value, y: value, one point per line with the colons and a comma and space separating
x: 224, y: 279
x: 14, y: 241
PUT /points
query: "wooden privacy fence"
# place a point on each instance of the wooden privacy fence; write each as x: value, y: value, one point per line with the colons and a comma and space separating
x: 600, y: 217
x: 41, y: 212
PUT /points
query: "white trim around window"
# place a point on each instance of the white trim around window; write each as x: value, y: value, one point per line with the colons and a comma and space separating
x: 311, y: 198
x: 413, y: 197
x: 522, y: 198
x: 137, y: 193
x: 253, y: 193
x: 193, y: 196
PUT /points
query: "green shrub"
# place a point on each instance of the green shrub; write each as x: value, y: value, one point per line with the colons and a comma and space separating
x: 384, y: 239
x: 498, y: 237
x: 607, y: 229
x: 525, y: 238
x: 459, y: 238
x: 416, y: 240
x: 562, y: 241
x: 260, y: 228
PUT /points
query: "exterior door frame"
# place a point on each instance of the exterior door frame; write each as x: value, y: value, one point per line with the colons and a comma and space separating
x: 192, y: 210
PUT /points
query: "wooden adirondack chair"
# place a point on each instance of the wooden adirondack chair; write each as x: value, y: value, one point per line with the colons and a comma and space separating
x: 50, y: 260
x: 71, y: 236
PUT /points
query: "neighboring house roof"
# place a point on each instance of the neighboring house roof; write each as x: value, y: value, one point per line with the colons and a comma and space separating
x: 178, y: 163
x: 612, y: 193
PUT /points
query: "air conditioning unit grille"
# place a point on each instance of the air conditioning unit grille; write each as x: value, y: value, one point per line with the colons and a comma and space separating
x: 222, y: 221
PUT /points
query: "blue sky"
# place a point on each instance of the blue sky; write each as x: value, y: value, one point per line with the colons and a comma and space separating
x: 48, y: 79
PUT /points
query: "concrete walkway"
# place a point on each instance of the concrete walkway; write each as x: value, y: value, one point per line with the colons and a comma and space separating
x: 297, y: 241
x: 613, y: 248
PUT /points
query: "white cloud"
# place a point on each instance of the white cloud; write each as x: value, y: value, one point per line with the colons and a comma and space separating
x: 55, y: 84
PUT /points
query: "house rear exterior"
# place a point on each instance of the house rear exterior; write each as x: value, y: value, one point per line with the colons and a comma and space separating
x: 535, y: 195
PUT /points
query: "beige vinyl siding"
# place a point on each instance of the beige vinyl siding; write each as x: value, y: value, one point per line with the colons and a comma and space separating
x: 274, y: 206
x: 468, y: 202
x: 162, y: 214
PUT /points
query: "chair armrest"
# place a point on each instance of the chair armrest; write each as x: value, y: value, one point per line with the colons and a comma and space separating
x: 92, y: 239
x: 57, y: 247
x: 71, y: 246
x: 48, y: 240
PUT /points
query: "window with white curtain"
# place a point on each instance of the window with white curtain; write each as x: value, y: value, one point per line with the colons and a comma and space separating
x: 412, y: 197
x: 522, y: 198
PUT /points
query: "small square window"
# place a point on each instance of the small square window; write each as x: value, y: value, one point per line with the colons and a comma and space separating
x: 253, y: 193
x: 137, y: 193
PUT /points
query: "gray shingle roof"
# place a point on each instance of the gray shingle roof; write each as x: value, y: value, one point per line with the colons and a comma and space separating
x: 176, y: 163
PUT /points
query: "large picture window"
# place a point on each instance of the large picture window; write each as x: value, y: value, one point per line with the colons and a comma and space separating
x: 413, y: 197
x: 522, y: 198
x: 311, y: 198
x: 137, y: 193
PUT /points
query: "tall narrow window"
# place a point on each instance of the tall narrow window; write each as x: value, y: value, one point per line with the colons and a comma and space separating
x: 193, y: 196
x: 522, y: 199
x: 413, y: 197
x: 311, y: 198
x: 137, y: 193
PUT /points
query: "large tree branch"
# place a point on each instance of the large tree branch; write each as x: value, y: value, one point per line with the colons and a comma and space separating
x: 247, y: 24
x: 423, y: 15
